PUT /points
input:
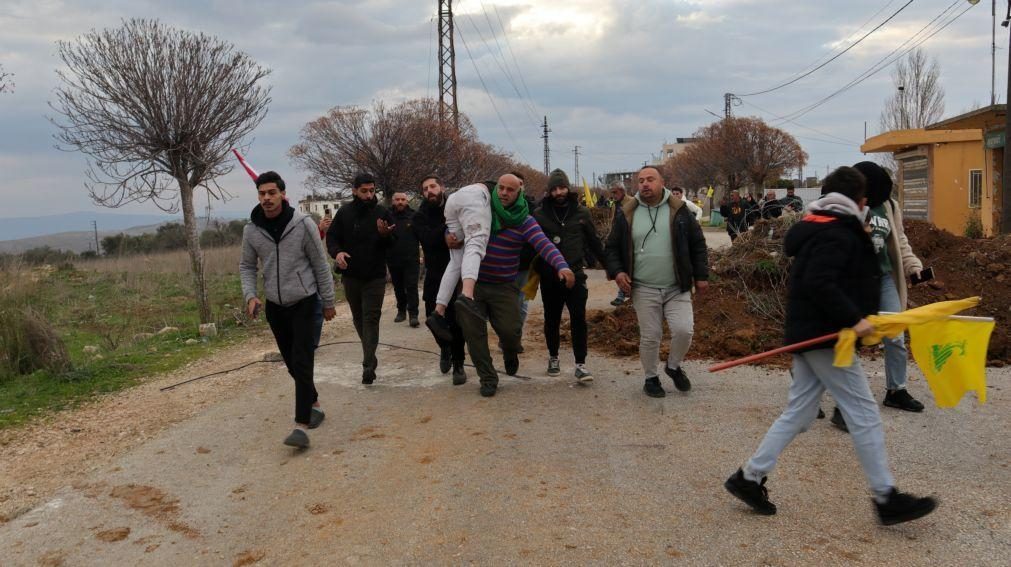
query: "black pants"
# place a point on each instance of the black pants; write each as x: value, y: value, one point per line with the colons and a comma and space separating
x: 294, y: 330
x: 365, y: 298
x: 404, y: 276
x: 555, y: 296
x: 456, y: 345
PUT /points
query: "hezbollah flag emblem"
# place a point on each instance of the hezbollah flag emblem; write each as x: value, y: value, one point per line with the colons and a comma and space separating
x: 951, y: 353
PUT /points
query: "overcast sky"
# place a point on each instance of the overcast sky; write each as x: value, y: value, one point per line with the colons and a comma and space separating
x: 616, y: 78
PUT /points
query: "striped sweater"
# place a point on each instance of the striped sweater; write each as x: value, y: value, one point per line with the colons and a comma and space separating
x: 502, y: 260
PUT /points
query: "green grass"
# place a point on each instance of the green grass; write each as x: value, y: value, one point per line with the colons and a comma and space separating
x: 107, y: 309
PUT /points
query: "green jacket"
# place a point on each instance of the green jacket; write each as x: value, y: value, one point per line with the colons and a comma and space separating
x: 573, y: 235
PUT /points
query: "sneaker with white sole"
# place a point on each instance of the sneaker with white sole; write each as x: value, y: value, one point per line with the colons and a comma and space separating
x: 583, y: 374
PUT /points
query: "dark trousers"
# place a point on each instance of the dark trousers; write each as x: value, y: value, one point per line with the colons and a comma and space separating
x: 498, y: 302
x: 404, y: 276
x: 555, y: 296
x: 365, y: 298
x: 294, y: 331
x: 456, y: 345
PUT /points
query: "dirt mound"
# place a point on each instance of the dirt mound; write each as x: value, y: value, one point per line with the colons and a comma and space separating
x: 742, y: 311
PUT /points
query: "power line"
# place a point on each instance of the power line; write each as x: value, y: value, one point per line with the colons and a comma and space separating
x: 505, y: 71
x: 848, y: 38
x: 505, y: 35
x: 884, y: 62
x: 838, y: 55
x: 494, y: 35
x: 799, y: 125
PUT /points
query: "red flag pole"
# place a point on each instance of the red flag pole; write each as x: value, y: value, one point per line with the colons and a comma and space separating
x: 249, y: 170
x: 773, y: 352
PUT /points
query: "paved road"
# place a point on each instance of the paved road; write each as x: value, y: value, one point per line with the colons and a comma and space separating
x: 413, y: 470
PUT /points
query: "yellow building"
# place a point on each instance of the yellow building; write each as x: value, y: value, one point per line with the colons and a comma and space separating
x: 950, y: 171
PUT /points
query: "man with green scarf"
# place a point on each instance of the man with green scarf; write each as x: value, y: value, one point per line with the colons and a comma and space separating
x: 495, y: 291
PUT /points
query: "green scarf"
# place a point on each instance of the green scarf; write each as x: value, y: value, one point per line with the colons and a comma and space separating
x: 502, y: 218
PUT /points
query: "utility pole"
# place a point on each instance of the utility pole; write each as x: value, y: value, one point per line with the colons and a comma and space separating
x: 575, y: 152
x: 94, y: 227
x: 447, y: 65
x: 729, y: 101
x: 547, y: 150
x: 993, y: 53
x: 1005, y: 215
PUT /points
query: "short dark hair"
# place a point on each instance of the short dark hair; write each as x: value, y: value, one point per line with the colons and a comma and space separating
x: 653, y: 167
x: 678, y: 188
x: 846, y: 181
x: 432, y: 176
x: 363, y: 179
x: 270, y: 177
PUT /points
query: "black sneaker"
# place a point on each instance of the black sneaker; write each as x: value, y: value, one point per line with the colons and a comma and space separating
x: 512, y: 363
x: 653, y: 388
x: 902, y: 400
x: 444, y: 360
x: 681, y: 381
x: 316, y: 418
x: 459, y: 374
x: 401, y: 317
x: 488, y: 390
x: 467, y: 305
x: 902, y: 507
x: 440, y: 328
x: 838, y: 420
x: 298, y: 439
x: 617, y: 301
x: 751, y: 493
x: 554, y: 369
x: 414, y: 321
x: 368, y: 376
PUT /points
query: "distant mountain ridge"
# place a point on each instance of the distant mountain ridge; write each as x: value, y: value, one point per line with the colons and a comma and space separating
x: 17, y: 228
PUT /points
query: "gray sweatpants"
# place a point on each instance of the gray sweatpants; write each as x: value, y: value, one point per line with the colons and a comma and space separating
x: 468, y: 216
x: 813, y: 373
x: 652, y: 306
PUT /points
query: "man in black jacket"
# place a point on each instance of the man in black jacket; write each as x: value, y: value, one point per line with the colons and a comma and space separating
x: 735, y: 212
x: 402, y: 261
x: 570, y: 228
x: 358, y: 240
x: 430, y: 230
x: 833, y: 284
x: 657, y: 253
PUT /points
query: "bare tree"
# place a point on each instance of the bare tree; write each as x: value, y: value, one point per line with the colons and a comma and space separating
x: 398, y: 145
x: 156, y: 110
x: 918, y: 100
x: 6, y: 80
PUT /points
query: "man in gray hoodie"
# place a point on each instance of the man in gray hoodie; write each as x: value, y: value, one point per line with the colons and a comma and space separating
x: 296, y: 277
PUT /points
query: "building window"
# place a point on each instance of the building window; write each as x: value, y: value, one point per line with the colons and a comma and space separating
x: 975, y: 188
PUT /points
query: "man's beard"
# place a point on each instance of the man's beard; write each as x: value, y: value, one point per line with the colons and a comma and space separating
x: 561, y: 201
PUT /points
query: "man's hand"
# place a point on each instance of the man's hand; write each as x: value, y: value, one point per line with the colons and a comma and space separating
x: 324, y: 224
x: 701, y: 286
x: 451, y: 242
x: 566, y: 275
x: 385, y: 228
x: 624, y: 282
x: 342, y: 260
x: 253, y: 308
x: 329, y: 313
x: 863, y: 328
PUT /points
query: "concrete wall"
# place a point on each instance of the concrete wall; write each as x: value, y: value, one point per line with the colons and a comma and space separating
x: 950, y: 164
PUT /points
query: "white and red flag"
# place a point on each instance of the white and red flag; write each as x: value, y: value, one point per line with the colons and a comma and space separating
x: 252, y: 172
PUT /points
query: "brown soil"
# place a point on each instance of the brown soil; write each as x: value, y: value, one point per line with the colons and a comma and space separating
x: 728, y: 327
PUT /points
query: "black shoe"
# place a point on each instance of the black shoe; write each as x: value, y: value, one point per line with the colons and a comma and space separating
x: 751, y: 493
x: 414, y: 321
x: 902, y: 507
x: 368, y: 376
x: 821, y: 414
x: 297, y: 439
x: 512, y: 363
x: 445, y: 363
x: 616, y: 302
x: 902, y: 400
x: 681, y: 381
x: 316, y: 418
x: 459, y: 374
x: 401, y: 317
x: 653, y: 388
x: 440, y: 328
x: 488, y: 390
x: 467, y: 305
x: 838, y: 420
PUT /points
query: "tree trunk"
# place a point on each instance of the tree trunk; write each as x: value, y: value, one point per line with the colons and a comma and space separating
x: 196, y: 255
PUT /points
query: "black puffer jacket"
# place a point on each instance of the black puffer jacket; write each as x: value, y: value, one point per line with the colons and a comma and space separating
x: 405, y: 248
x: 354, y: 231
x: 834, y: 280
x: 571, y: 231
x: 429, y: 226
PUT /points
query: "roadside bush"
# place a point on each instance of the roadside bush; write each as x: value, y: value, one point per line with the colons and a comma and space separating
x: 29, y: 343
x: 974, y: 225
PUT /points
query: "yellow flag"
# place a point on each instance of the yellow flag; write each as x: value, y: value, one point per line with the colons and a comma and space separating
x: 951, y: 353
x: 710, y: 192
x: 588, y: 196
x: 533, y: 283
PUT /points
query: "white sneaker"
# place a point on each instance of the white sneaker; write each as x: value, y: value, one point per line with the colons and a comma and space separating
x: 583, y: 374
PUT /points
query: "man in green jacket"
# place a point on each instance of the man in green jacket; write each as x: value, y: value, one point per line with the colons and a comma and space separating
x: 569, y: 227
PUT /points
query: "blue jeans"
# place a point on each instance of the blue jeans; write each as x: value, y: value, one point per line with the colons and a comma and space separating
x: 521, y: 281
x: 896, y: 355
x: 813, y: 373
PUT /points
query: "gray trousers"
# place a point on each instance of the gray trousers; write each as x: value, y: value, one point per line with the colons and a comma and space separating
x: 652, y: 306
x: 813, y: 373
x: 365, y: 298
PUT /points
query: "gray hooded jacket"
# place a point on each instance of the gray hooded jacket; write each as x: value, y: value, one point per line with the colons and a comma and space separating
x: 294, y: 268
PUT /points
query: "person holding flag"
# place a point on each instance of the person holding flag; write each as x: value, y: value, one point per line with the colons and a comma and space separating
x: 834, y: 283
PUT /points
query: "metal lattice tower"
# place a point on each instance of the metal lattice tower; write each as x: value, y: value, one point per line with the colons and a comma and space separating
x: 547, y: 150
x: 447, y: 65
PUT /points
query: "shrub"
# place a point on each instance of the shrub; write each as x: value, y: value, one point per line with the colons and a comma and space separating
x: 29, y: 343
x: 974, y: 225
